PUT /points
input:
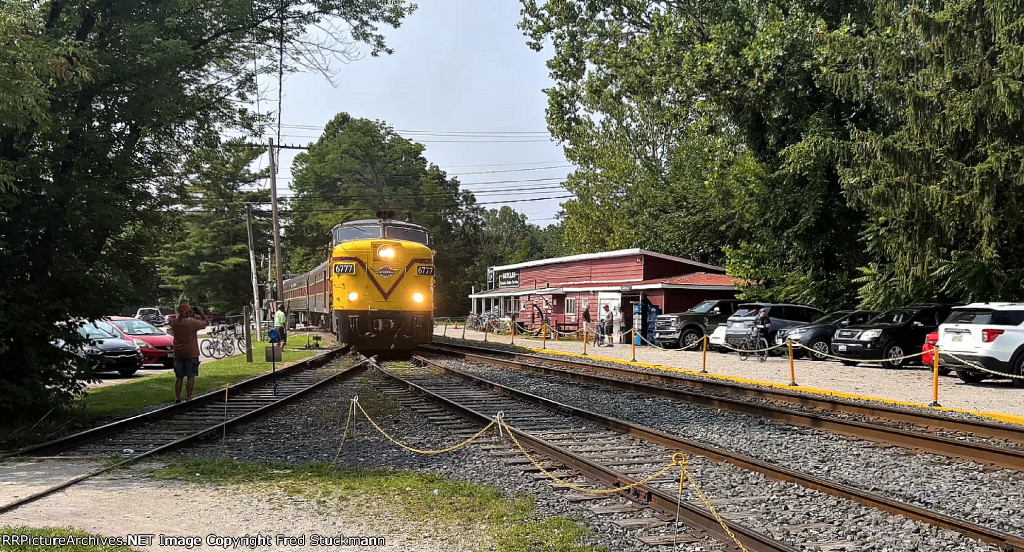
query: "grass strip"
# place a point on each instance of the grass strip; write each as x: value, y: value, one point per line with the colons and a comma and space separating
x: 59, y: 533
x: 126, y: 398
x: 510, y: 524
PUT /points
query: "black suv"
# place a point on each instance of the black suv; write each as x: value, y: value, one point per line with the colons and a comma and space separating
x: 685, y: 329
x: 893, y: 334
x: 817, y: 335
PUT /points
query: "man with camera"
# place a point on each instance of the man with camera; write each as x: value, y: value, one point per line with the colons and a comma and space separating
x: 186, y: 347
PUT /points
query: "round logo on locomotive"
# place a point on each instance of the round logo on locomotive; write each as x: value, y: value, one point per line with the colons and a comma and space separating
x: 385, y: 271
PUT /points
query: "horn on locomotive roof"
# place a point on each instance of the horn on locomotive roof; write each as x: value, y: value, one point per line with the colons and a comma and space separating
x: 408, y: 215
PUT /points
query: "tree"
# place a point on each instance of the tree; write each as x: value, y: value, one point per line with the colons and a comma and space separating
x: 679, y: 110
x: 207, y: 262
x: 942, y: 181
x: 358, y: 167
x: 106, y: 100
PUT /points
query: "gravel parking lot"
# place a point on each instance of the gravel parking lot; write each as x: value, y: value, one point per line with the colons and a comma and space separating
x: 912, y: 384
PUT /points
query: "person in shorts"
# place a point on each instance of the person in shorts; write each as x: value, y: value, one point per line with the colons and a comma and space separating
x: 186, y: 348
x: 281, y: 324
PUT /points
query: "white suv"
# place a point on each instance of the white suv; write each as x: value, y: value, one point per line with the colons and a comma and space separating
x: 990, y: 335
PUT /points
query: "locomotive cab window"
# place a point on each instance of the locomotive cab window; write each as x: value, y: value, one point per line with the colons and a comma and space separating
x: 407, y: 234
x: 353, y: 233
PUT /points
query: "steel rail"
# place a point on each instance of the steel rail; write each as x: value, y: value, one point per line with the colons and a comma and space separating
x: 222, y: 426
x: 1006, y: 541
x: 967, y: 450
x: 977, y: 427
x: 645, y: 494
x: 78, y: 439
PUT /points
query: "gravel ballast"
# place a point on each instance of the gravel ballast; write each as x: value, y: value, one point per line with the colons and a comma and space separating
x: 971, y: 491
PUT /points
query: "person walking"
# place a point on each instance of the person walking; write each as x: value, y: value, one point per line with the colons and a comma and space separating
x: 608, y: 325
x: 280, y: 323
x: 186, y: 347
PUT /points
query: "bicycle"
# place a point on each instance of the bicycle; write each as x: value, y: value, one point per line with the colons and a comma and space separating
x: 754, y: 343
x: 222, y: 345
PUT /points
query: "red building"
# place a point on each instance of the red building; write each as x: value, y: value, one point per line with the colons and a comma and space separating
x: 557, y: 290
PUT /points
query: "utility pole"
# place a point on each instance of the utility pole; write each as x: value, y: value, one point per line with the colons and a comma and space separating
x: 255, y: 283
x: 279, y: 292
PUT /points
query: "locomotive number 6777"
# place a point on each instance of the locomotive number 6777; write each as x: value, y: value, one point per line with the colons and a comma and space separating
x: 381, y: 285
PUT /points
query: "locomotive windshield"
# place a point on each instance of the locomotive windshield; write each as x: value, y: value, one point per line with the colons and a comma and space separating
x: 407, y: 234
x: 352, y: 233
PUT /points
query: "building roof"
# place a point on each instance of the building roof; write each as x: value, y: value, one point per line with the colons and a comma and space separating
x: 696, y: 280
x: 607, y: 255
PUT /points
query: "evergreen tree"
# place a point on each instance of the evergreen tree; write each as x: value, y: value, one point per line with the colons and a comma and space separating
x: 207, y: 261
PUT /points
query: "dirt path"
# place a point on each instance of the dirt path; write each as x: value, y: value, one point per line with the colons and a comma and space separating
x: 129, y: 502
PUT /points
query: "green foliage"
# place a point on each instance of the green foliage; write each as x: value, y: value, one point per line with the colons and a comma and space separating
x: 694, y: 126
x: 942, y: 181
x: 102, y: 104
x: 358, y: 167
x: 827, y: 152
x: 206, y: 259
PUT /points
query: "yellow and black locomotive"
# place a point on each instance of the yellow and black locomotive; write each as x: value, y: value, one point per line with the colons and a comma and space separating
x: 381, y: 286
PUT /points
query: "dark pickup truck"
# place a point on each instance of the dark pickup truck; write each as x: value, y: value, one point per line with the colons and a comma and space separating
x: 686, y: 328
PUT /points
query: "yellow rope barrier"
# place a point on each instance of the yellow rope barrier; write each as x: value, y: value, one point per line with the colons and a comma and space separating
x: 560, y: 481
x: 452, y: 448
x: 685, y: 476
x: 868, y: 361
x: 976, y: 366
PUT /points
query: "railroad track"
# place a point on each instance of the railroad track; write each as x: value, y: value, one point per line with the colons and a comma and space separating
x: 172, y: 427
x: 956, y: 438
x: 574, y: 449
x: 1003, y: 540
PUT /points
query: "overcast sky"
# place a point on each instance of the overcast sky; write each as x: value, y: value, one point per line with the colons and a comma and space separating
x: 461, y: 72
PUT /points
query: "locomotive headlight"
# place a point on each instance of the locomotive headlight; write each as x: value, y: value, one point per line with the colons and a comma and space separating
x: 386, y: 252
x: 353, y: 296
x: 418, y: 297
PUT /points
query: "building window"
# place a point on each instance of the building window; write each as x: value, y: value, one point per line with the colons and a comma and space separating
x: 570, y: 307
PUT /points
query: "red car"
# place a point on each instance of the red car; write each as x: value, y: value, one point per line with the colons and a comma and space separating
x: 156, y: 346
x: 928, y: 358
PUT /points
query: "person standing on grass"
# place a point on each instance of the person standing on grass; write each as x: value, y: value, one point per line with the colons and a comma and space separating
x: 280, y: 321
x: 186, y: 348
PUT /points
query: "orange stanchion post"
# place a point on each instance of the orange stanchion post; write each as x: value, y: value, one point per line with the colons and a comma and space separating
x: 585, y: 339
x: 935, y: 377
x: 704, y: 357
x: 792, y: 370
x: 632, y: 341
x: 544, y: 332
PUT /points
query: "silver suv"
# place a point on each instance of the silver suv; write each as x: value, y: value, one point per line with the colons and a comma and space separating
x: 983, y: 340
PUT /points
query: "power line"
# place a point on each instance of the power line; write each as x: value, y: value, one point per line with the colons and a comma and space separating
x: 355, y: 209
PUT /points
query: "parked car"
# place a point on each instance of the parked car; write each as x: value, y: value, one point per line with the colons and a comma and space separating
x: 783, y: 316
x: 716, y: 341
x: 156, y: 346
x: 989, y: 335
x: 151, y: 315
x: 889, y: 336
x: 106, y: 353
x: 686, y: 328
x: 928, y: 357
x: 818, y: 334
